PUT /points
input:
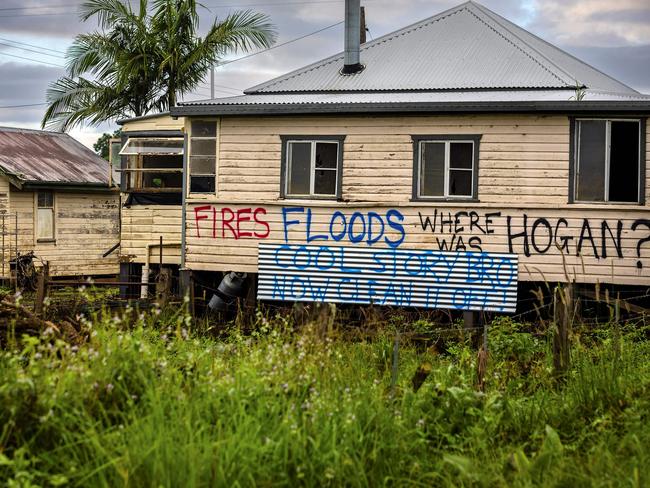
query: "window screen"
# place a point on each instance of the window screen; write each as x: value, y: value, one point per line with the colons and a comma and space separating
x: 203, y: 156
x: 608, y: 165
x: 446, y: 169
x: 312, y: 168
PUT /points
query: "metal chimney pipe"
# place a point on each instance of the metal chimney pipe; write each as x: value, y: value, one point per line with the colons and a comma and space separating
x: 352, y: 38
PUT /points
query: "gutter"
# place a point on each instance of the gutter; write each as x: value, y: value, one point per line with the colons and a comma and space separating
x: 48, y: 185
x: 553, y: 107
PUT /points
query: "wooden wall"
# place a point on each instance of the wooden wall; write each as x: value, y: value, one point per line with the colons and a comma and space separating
x: 523, y: 171
x: 86, y: 226
x: 143, y: 225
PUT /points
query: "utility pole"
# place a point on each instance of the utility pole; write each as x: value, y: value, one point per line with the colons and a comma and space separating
x: 212, y: 82
x: 362, y: 34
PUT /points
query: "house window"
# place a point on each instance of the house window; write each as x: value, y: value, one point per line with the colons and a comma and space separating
x: 45, y: 216
x: 203, y: 156
x: 445, y: 167
x: 608, y: 161
x: 154, y: 164
x: 311, y: 166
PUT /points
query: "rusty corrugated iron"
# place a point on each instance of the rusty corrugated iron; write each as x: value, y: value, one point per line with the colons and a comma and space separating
x: 39, y: 157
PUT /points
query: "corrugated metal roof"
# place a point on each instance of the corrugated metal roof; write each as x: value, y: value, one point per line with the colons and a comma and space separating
x: 466, y: 47
x: 39, y: 157
x: 468, y: 96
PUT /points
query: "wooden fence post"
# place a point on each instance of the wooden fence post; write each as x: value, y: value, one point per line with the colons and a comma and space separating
x: 41, y: 288
x: 563, y: 310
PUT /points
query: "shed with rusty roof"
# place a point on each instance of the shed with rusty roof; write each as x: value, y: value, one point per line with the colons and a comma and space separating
x: 57, y: 199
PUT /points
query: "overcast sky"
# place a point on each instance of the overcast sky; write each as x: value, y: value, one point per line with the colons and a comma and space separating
x: 613, y: 36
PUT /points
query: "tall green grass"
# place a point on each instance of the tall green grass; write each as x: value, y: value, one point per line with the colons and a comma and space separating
x: 151, y: 403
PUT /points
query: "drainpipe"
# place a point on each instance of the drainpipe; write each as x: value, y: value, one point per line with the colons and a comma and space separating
x: 352, y: 38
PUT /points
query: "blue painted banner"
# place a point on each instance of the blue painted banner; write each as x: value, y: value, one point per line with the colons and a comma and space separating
x: 394, y: 277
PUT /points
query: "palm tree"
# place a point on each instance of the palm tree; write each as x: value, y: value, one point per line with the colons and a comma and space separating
x: 142, y: 61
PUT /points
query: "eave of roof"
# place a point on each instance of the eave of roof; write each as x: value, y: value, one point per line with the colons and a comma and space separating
x: 533, y: 101
x: 578, y: 108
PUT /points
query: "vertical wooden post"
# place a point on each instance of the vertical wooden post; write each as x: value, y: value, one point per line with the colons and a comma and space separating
x: 16, y: 248
x: 3, y: 247
x: 395, y: 368
x: 41, y: 288
x: 563, y: 309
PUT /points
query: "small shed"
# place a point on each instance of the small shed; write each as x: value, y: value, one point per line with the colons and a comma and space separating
x: 57, y: 199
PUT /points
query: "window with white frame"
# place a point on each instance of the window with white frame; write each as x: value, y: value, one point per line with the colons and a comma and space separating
x: 45, y: 216
x: 203, y: 156
x: 607, y: 156
x: 154, y: 164
x: 445, y: 167
x: 312, y: 166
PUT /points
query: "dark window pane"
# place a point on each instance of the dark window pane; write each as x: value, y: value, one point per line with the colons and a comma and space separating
x: 202, y: 184
x: 325, y: 182
x: 175, y: 162
x: 202, y: 166
x: 299, y: 168
x: 591, y: 160
x: 326, y: 155
x: 202, y: 128
x: 460, y: 183
x: 460, y: 155
x: 624, y: 162
x: 432, y: 169
x: 204, y: 147
x: 45, y: 199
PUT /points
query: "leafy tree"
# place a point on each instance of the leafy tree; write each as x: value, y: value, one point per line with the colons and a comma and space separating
x: 142, y: 61
x: 102, y: 146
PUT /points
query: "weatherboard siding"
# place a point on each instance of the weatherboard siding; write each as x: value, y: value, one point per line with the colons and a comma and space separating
x: 143, y: 225
x: 86, y: 226
x: 523, y: 171
x: 521, y: 158
x: 164, y: 122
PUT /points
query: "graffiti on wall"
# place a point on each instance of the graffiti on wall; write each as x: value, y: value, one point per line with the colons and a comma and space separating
x: 388, y: 276
x: 465, y: 230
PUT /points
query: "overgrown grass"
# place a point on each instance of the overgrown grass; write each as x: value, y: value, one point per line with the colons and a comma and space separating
x: 151, y: 403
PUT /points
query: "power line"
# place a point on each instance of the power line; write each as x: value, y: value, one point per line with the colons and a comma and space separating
x: 257, y: 4
x: 24, y: 105
x: 60, y: 5
x: 32, y: 45
x: 31, y: 50
x: 279, y: 45
x: 30, y: 59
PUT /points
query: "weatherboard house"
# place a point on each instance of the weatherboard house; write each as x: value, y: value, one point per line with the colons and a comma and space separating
x: 461, y: 151
x: 57, y: 201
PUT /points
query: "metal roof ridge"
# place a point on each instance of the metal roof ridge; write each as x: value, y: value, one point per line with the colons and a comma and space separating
x: 522, y: 45
x: 500, y: 21
x: 6, y: 128
x: 380, y: 40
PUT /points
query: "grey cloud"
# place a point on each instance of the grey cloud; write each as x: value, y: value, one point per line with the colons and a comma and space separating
x: 633, y: 16
x: 25, y: 83
x: 55, y: 22
x: 631, y: 64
